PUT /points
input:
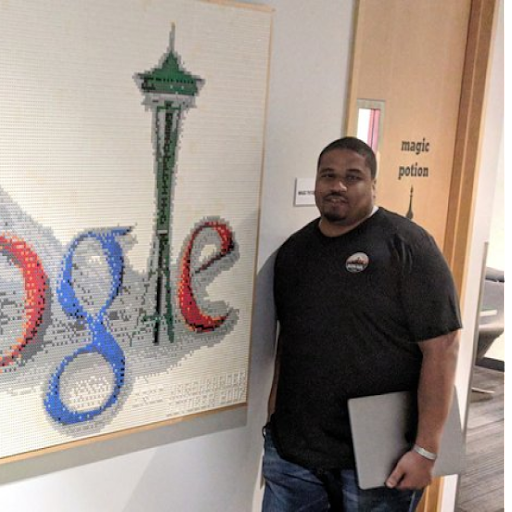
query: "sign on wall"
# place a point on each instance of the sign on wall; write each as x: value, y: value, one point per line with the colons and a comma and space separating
x: 131, y: 140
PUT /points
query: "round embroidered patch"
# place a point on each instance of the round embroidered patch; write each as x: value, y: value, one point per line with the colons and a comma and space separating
x: 357, y: 262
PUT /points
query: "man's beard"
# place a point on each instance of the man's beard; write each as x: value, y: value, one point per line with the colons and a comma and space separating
x: 335, y: 218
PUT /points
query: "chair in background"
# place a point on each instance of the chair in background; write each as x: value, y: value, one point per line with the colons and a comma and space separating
x: 492, y: 312
x: 492, y: 315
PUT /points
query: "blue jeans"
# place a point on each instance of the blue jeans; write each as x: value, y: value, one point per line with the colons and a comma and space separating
x: 293, y: 488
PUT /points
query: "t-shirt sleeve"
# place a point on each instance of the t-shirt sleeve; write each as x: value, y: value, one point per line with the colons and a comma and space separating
x: 279, y: 284
x: 428, y: 291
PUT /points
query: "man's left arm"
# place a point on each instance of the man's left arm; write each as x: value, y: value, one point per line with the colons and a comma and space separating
x: 435, y: 390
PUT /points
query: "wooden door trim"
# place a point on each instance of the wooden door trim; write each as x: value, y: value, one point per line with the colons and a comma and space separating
x: 465, y: 171
x: 468, y: 135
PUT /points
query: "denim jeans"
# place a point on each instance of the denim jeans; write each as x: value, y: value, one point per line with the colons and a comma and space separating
x: 293, y: 488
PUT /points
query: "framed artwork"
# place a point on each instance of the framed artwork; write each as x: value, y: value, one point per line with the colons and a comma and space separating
x: 131, y: 144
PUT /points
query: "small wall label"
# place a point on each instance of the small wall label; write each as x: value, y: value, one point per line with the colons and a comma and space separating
x: 304, y: 192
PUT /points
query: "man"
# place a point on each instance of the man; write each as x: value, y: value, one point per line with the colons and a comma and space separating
x: 366, y: 305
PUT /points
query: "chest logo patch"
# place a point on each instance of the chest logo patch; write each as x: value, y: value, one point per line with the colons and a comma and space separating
x: 357, y: 262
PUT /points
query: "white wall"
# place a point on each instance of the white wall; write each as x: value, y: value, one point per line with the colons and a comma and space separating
x: 213, y: 463
x: 496, y: 253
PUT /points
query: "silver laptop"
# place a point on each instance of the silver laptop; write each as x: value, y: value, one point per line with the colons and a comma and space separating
x: 383, y: 430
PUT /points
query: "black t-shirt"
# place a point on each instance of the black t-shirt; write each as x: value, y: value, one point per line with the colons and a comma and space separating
x: 351, y: 310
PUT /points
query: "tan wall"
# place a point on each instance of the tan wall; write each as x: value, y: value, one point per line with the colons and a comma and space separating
x: 410, y: 54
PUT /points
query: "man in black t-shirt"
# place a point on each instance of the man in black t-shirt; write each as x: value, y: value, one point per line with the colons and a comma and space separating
x: 366, y: 305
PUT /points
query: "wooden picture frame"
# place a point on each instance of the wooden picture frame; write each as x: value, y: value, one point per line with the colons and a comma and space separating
x: 132, y: 148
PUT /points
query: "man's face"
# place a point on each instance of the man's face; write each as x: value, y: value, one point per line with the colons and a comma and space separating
x: 344, y: 189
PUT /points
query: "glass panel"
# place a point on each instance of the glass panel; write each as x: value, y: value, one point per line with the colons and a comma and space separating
x: 369, y: 121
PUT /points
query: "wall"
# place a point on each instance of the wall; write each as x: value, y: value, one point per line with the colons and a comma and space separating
x: 213, y: 463
x: 496, y: 253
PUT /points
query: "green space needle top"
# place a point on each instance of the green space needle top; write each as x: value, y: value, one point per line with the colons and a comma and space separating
x: 170, y: 79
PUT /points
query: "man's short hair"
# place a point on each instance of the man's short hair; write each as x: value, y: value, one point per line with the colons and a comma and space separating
x: 356, y: 145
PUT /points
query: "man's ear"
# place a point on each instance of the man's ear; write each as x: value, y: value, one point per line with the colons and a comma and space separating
x: 374, y: 189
